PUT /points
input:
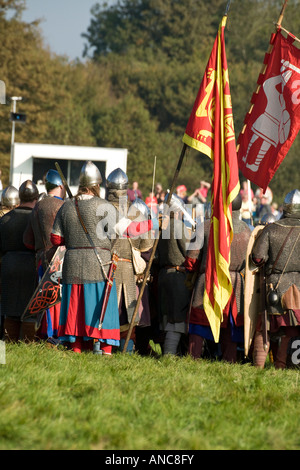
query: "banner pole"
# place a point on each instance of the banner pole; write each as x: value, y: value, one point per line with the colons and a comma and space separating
x: 227, y: 8
x: 282, y: 13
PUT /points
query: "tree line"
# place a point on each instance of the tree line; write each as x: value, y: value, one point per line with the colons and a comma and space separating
x: 143, y: 64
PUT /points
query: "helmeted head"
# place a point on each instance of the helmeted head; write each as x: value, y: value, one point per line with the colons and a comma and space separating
x: 291, y: 204
x: 10, y: 197
x: 117, y: 179
x: 89, y: 175
x: 52, y: 180
x: 28, y: 191
x: 237, y: 203
x: 267, y: 219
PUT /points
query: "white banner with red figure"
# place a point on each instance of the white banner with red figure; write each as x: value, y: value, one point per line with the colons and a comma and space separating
x: 274, y: 119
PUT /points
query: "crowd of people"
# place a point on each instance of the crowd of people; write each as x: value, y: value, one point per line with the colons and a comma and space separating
x: 107, y: 246
x: 257, y: 205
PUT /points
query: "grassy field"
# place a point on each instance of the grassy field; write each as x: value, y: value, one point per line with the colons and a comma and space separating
x: 53, y: 399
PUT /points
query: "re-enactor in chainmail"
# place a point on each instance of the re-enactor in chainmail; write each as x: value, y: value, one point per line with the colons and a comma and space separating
x: 9, y: 200
x: 277, y: 248
x: 231, y: 332
x: 173, y: 295
x: 18, y: 273
x: 84, y: 224
x: 125, y: 277
x: 37, y: 238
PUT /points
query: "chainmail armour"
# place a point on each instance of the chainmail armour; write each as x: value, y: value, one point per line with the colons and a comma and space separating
x: 267, y: 247
x: 40, y: 225
x: 125, y: 277
x: 81, y: 265
x: 237, y: 262
x: 18, y: 273
x: 173, y: 294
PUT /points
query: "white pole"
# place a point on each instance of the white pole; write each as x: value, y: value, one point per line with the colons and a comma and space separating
x: 249, y: 199
x: 14, y: 100
x: 153, y: 179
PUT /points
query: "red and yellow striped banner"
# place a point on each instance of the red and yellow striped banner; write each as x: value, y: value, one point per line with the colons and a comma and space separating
x: 210, y: 130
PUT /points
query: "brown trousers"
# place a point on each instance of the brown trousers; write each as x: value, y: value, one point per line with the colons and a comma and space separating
x: 260, y: 354
x: 228, y: 347
x: 15, y: 330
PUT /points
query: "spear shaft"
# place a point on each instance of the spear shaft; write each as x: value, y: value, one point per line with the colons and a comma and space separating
x: 282, y: 13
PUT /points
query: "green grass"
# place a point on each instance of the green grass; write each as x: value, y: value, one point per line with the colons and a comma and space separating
x: 54, y: 399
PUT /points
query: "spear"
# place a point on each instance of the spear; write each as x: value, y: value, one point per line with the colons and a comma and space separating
x: 282, y: 13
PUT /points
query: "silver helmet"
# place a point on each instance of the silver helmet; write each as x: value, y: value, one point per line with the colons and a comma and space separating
x: 291, y: 204
x: 267, y: 219
x: 28, y: 191
x: 89, y: 175
x: 117, y: 179
x: 10, y: 197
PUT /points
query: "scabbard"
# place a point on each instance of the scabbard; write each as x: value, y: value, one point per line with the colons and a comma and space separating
x: 264, y: 309
x: 108, y: 287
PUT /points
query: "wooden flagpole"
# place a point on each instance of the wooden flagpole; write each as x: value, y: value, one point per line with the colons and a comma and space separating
x: 282, y: 13
x: 289, y: 33
x: 147, y: 272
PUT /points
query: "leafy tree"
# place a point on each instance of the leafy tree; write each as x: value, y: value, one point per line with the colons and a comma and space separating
x: 157, y: 51
x: 145, y: 62
x: 51, y: 89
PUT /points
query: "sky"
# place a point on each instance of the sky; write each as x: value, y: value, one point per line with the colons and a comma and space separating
x: 63, y: 22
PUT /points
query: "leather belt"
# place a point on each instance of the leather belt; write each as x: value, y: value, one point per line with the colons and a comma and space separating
x: 87, y: 248
x: 180, y: 269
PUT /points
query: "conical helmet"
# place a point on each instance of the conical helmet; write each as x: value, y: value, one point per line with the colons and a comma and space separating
x: 10, y: 197
x: 89, y: 175
x: 291, y: 204
x: 52, y: 180
x: 117, y: 179
x: 28, y: 191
